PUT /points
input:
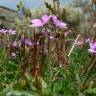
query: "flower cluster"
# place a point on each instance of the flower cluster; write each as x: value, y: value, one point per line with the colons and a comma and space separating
x: 91, y: 44
x: 45, y: 19
x: 9, y: 31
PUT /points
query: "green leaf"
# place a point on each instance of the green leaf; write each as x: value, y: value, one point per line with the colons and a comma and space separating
x: 91, y: 91
x: 18, y: 93
x: 49, y: 7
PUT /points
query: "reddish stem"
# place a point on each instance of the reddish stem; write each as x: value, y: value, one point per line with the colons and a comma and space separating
x: 40, y: 70
x: 24, y: 69
x: 33, y: 69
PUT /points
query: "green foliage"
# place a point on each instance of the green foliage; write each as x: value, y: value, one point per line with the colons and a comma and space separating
x: 90, y: 92
x: 49, y: 7
x: 25, y: 11
x: 56, y: 80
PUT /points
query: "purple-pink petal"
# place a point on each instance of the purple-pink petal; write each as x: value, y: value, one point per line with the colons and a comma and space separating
x: 60, y: 24
x: 53, y: 18
x: 87, y: 40
x: 45, y: 19
x: 91, y: 50
x: 66, y: 33
x: 3, y: 31
x: 14, y: 44
x: 92, y: 47
x: 28, y: 42
x: 37, y: 23
x: 79, y: 43
x: 45, y: 33
x: 11, y: 32
x: 13, y: 55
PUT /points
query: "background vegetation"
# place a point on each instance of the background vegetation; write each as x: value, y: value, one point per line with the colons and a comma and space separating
x: 61, y: 74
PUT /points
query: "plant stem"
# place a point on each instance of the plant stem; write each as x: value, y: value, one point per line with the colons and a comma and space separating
x: 48, y: 45
x: 40, y: 70
x: 57, y: 50
x: 33, y: 69
x: 24, y: 60
x: 73, y: 45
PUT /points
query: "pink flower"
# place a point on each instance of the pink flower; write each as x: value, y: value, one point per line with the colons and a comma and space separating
x: 14, y: 44
x: 60, y: 24
x: 40, y: 22
x: 92, y: 47
x: 13, y: 55
x: 80, y: 43
x: 45, y: 33
x: 37, y: 23
x: 3, y: 31
x: 53, y: 18
x: 66, y: 33
x: 45, y: 19
x: 28, y: 42
x: 87, y: 40
x: 11, y: 32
